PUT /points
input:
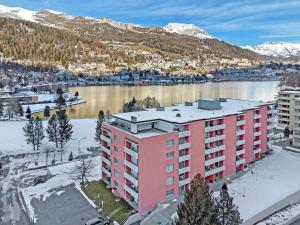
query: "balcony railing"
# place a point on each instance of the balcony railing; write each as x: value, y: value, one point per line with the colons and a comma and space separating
x: 106, y: 149
x: 184, y: 158
x: 214, y: 160
x: 105, y: 138
x: 184, y: 170
x: 184, y: 145
x: 240, y: 142
x: 215, y: 127
x: 106, y: 160
x: 131, y: 165
x: 215, y: 149
x: 106, y: 170
x: 185, y: 181
x: 240, y: 152
x: 258, y: 150
x: 258, y: 142
x: 132, y: 179
x: 131, y: 151
x: 240, y: 132
x: 240, y: 161
x: 241, y: 122
x: 257, y: 116
x: 255, y: 134
x: 185, y: 133
x: 215, y: 138
x: 257, y: 125
x: 131, y: 191
x: 214, y: 171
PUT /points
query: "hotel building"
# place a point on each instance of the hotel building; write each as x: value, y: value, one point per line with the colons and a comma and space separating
x: 150, y: 156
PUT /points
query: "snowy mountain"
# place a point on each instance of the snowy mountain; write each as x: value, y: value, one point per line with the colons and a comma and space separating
x: 17, y: 13
x: 187, y: 29
x: 276, y: 49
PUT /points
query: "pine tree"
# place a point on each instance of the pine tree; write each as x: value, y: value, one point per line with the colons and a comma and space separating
x: 227, y: 212
x: 70, y: 156
x: 38, y: 132
x: 98, y: 125
x: 198, y: 206
x: 29, y: 133
x: 20, y: 110
x: 1, y: 109
x: 60, y: 101
x: 34, y: 133
x: 52, y: 130
x: 287, y: 132
x: 28, y: 113
x: 47, y: 111
x: 76, y: 94
x: 59, y: 91
x: 65, y: 130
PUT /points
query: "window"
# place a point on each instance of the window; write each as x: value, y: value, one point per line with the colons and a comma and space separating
x: 116, y: 173
x: 170, y: 168
x: 170, y: 143
x: 116, y: 149
x: 170, y: 155
x: 170, y: 192
x: 170, y: 180
x: 116, y: 160
x: 116, y: 185
x: 116, y: 138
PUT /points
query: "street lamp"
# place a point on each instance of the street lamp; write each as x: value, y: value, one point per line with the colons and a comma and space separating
x: 78, y: 141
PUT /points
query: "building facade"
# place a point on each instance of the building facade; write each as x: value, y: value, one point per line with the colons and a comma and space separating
x: 286, y: 107
x: 150, y: 156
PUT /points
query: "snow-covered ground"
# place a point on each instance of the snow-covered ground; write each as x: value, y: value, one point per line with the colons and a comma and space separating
x: 273, y: 179
x: 12, y: 140
x: 282, y: 217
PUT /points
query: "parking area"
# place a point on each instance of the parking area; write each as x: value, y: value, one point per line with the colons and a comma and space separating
x: 66, y: 207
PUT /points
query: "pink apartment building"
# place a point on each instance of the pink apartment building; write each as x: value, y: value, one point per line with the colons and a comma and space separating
x: 150, y: 156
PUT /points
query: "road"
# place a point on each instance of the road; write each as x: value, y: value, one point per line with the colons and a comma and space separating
x: 11, y: 212
x: 296, y: 222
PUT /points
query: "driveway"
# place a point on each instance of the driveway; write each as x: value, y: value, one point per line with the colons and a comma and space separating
x: 67, y: 207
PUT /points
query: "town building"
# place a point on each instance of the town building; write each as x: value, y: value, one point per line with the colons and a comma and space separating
x: 286, y: 107
x: 296, y: 132
x: 151, y: 156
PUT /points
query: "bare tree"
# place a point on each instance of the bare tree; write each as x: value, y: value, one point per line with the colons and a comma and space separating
x: 83, y: 169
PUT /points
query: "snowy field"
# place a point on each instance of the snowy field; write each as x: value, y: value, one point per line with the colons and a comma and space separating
x: 273, y: 179
x: 282, y: 217
x: 12, y: 139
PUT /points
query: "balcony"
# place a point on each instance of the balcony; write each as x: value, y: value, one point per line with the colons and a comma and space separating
x: 240, y: 132
x: 131, y: 191
x: 131, y: 166
x: 258, y: 142
x: 258, y: 150
x: 215, y: 138
x: 183, y: 134
x: 106, y: 170
x: 270, y: 134
x: 105, y: 138
x: 106, y: 149
x: 185, y: 181
x: 241, y: 122
x: 184, y: 145
x: 257, y: 125
x: 214, y: 128
x: 257, y: 116
x: 106, y: 180
x: 184, y: 170
x: 270, y: 119
x: 214, y: 160
x: 132, y: 179
x: 240, y: 142
x: 240, y: 161
x: 106, y: 160
x: 184, y: 158
x: 255, y: 134
x: 270, y: 126
x: 240, y: 152
x: 132, y: 152
x: 214, y: 171
x: 215, y: 149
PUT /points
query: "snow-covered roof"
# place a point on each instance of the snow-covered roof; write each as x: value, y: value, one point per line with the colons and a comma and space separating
x: 190, y: 113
